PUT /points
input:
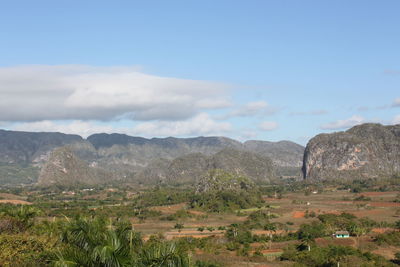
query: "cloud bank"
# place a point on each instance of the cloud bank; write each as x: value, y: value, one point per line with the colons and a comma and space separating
x: 76, y: 92
x: 200, y: 124
x: 268, y: 126
x: 396, y: 102
x: 342, y: 124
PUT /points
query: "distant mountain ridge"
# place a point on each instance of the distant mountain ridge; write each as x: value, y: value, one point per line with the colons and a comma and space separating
x: 28, y: 147
x: 364, y: 151
x: 129, y: 157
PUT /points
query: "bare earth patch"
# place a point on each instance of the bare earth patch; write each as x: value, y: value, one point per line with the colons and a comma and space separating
x: 367, y: 213
x: 15, y: 201
x: 384, y: 204
x: 192, y: 233
x: 335, y: 241
x: 372, y: 194
x: 169, y: 209
x: 298, y: 214
x: 386, y: 252
x: 381, y: 230
x: 11, y: 196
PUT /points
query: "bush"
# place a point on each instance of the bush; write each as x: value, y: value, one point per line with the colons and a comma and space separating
x: 21, y: 250
x: 362, y: 198
x: 331, y: 255
x: 392, y: 238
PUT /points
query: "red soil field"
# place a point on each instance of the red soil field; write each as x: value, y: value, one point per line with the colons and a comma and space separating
x: 196, y: 212
x: 298, y: 214
x: 366, y: 213
x: 371, y: 194
x: 384, y: 204
x: 335, y: 241
x: 381, y: 230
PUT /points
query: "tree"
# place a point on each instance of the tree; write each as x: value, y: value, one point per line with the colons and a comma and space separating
x: 17, y: 219
x: 336, y: 253
x: 357, y: 230
x: 179, y: 226
x: 397, y: 256
x: 94, y: 242
x: 163, y: 254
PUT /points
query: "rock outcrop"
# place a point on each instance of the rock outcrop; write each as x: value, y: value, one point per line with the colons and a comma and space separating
x: 188, y: 169
x: 65, y: 168
x: 364, y: 151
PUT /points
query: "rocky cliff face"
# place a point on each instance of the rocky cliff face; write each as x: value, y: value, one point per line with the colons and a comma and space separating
x: 65, y: 168
x: 364, y: 151
x: 282, y: 153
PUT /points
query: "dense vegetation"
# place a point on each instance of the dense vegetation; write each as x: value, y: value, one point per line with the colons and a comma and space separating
x: 220, y: 191
x: 92, y: 226
x: 14, y: 173
x: 80, y: 241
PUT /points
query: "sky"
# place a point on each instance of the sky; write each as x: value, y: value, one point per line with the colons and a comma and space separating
x: 267, y: 70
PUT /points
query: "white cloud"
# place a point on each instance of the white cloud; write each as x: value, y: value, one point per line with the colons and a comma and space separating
x: 312, y: 112
x: 250, y: 109
x: 342, y: 124
x: 82, y: 128
x: 396, y: 119
x: 75, y: 92
x: 268, y: 125
x: 396, y: 102
x: 201, y: 124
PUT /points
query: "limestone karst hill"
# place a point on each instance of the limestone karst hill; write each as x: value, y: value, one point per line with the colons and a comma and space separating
x: 141, y: 159
x: 364, y: 151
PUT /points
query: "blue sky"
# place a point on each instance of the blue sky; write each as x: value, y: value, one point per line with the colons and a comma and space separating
x: 269, y: 70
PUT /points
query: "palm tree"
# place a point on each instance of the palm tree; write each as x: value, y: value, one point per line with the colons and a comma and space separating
x: 358, y: 230
x: 336, y: 253
x: 271, y: 227
x: 96, y: 243
x: 307, y: 241
x: 23, y: 215
x: 163, y: 254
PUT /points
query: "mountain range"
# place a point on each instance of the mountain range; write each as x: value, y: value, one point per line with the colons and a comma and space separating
x: 48, y: 158
x: 364, y: 151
